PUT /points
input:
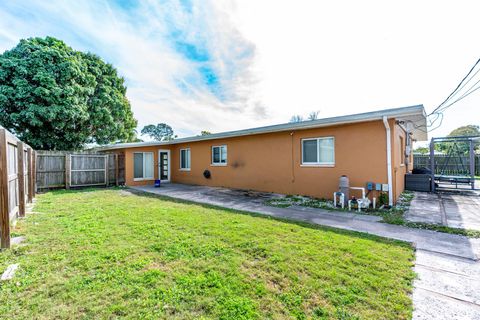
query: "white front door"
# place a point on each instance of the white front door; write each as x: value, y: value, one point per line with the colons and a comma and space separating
x: 164, y: 165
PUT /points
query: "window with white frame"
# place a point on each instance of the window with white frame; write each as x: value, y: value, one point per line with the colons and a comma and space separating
x: 219, y: 155
x: 318, y: 151
x: 185, y: 159
x: 143, y: 166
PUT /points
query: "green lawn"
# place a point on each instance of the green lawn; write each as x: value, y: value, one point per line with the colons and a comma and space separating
x: 111, y: 254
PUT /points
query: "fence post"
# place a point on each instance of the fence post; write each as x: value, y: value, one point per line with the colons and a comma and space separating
x: 106, y: 170
x: 116, y: 169
x: 21, y: 178
x: 432, y: 164
x: 34, y: 173
x: 68, y: 170
x: 477, y: 165
x: 30, y: 175
x: 472, y: 164
x: 4, y: 213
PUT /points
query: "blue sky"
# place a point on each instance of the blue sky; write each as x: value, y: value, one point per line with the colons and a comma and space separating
x: 178, y: 67
x: 233, y: 64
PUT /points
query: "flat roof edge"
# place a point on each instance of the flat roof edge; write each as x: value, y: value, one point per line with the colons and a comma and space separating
x: 417, y: 110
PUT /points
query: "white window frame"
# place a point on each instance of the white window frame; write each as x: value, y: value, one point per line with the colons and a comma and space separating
x: 189, y: 163
x: 221, y: 164
x: 318, y: 164
x: 144, y: 166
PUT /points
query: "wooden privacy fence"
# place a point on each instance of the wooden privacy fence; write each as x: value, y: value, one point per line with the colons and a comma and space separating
x: 452, y: 167
x: 58, y: 169
x: 17, y: 183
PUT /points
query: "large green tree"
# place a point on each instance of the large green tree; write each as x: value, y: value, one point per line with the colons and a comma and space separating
x: 462, y: 147
x: 53, y: 97
x: 159, y: 132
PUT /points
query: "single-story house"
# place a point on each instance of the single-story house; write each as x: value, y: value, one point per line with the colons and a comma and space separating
x: 305, y: 158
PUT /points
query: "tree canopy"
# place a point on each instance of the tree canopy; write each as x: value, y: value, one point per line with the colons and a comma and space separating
x: 468, y: 130
x: 299, y: 118
x: 159, y: 132
x: 53, y: 97
x: 422, y: 150
x: 296, y: 118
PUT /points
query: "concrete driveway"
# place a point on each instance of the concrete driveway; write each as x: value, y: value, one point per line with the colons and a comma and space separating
x: 448, y: 267
x: 446, y: 208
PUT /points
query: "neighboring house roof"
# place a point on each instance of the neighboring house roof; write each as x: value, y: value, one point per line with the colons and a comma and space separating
x: 414, y: 115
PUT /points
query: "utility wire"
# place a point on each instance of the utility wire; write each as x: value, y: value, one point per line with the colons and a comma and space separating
x: 456, y: 89
x: 466, y: 94
x: 473, y: 76
x: 438, y: 111
x: 441, y: 121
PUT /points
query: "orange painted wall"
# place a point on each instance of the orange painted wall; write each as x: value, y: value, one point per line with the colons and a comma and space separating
x: 272, y: 162
x: 399, y: 163
x: 129, y: 164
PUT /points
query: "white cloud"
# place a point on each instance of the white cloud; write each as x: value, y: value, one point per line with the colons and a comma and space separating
x: 139, y: 44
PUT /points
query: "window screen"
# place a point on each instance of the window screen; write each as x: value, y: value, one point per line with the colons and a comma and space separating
x: 326, y: 150
x: 319, y: 151
x: 148, y: 165
x: 310, y: 153
x: 219, y: 155
x: 138, y: 165
x: 223, y: 154
x: 143, y: 165
x: 185, y: 159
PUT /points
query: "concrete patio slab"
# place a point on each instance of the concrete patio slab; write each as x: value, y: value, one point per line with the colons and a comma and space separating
x: 449, y: 209
x: 425, y: 207
x: 447, y: 265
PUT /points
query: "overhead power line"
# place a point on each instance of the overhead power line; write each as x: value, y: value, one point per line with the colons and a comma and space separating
x: 458, y: 87
x: 470, y: 90
x: 447, y: 103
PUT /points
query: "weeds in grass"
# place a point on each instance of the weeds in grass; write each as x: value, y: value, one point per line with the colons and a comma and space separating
x: 394, y: 215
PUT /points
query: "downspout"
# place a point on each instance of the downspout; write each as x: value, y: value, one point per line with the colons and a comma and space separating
x: 293, y: 160
x: 389, y: 161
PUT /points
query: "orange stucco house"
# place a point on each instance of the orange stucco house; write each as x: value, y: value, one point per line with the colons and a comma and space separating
x: 305, y: 158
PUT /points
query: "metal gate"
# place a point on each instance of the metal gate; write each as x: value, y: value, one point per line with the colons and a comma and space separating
x: 457, y: 168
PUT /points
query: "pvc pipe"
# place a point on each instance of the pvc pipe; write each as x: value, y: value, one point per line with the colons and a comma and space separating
x: 359, y: 188
x: 389, y: 161
x: 374, y: 202
x: 342, y: 199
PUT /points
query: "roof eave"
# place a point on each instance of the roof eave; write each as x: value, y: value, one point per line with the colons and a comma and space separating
x: 404, y: 112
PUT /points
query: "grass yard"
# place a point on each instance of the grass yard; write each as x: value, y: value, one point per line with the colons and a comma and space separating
x: 113, y: 254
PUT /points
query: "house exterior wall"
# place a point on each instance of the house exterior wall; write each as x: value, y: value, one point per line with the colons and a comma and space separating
x: 129, y: 180
x: 271, y: 162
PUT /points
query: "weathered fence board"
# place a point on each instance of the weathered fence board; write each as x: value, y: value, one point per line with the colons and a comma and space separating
x: 447, y: 165
x: 65, y: 170
x: 16, y: 181
x: 50, y: 170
